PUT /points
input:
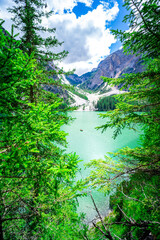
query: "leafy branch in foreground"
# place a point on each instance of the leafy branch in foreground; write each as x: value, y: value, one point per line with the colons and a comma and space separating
x: 134, y: 173
x: 144, y: 90
x: 143, y: 36
x: 37, y: 39
x: 37, y: 188
x: 129, y: 165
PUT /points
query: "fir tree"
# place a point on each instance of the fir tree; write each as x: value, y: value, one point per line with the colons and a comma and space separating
x: 27, y: 19
x: 37, y: 187
x: 135, y: 206
x: 144, y: 28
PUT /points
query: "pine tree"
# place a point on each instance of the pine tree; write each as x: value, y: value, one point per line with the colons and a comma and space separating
x: 135, y: 204
x: 37, y: 187
x: 27, y: 19
x: 143, y: 36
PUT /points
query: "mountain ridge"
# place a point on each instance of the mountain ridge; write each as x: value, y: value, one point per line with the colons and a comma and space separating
x: 112, y: 66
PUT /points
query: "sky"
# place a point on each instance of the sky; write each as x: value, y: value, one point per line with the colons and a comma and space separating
x: 85, y: 28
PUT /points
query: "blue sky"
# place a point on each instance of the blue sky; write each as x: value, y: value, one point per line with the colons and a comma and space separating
x: 84, y: 27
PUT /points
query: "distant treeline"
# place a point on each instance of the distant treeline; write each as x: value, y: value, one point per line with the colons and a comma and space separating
x: 109, y: 103
x: 106, y: 103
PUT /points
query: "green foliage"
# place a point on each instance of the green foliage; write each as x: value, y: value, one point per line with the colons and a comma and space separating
x: 106, y: 103
x: 144, y: 35
x: 144, y: 90
x: 27, y: 18
x: 37, y: 188
x: 142, y: 161
x: 135, y: 204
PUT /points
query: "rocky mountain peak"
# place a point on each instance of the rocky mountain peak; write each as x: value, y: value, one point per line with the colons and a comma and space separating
x: 112, y: 66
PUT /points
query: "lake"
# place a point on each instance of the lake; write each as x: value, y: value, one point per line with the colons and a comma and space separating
x: 89, y: 144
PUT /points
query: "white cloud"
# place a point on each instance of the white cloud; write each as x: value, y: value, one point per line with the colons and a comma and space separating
x: 5, y: 15
x: 86, y: 38
x: 61, y: 5
x: 88, y: 3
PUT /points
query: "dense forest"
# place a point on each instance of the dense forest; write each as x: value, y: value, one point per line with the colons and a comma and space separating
x: 106, y: 103
x: 38, y: 190
x: 135, y: 204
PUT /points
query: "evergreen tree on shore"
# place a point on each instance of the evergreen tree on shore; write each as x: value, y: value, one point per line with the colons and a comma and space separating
x: 28, y: 16
x: 144, y: 35
x: 135, y: 205
x: 37, y: 189
x: 39, y: 40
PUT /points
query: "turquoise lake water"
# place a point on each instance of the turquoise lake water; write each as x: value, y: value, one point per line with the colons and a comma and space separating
x: 93, y: 144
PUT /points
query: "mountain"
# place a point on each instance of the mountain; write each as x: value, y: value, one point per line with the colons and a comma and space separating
x: 75, y: 80
x: 113, y: 66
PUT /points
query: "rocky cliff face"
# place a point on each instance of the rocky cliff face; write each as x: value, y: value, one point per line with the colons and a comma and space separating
x: 112, y: 66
